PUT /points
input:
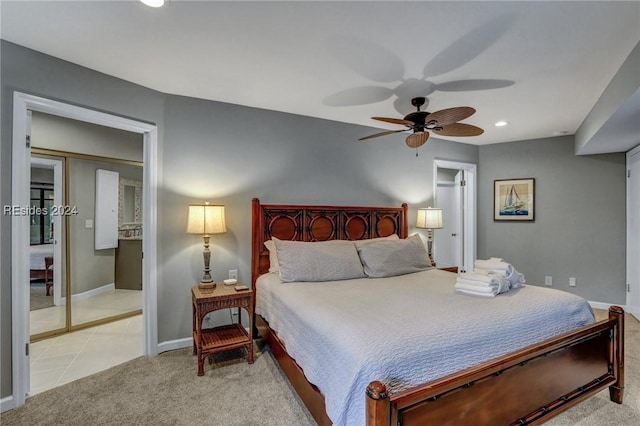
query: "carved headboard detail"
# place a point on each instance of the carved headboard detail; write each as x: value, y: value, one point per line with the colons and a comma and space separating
x: 319, y: 223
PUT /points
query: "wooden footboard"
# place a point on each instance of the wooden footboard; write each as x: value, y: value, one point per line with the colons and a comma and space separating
x: 526, y: 387
x: 37, y: 274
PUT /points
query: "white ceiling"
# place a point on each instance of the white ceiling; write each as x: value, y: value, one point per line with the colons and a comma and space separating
x: 541, y: 66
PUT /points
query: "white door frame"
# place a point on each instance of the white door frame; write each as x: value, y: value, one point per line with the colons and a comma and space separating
x: 20, y: 172
x: 56, y: 164
x: 633, y: 247
x: 469, y: 201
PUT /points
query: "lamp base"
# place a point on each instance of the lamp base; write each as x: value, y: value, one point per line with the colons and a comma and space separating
x: 206, y: 285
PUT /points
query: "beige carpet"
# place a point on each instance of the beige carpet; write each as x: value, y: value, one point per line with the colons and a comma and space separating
x: 165, y: 390
x: 38, y: 298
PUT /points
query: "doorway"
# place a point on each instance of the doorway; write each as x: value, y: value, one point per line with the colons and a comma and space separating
x: 455, y: 193
x: 20, y: 162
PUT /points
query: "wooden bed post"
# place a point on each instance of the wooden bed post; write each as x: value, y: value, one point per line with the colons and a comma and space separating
x: 255, y: 241
x: 378, y: 404
x: 616, y: 354
x: 404, y: 232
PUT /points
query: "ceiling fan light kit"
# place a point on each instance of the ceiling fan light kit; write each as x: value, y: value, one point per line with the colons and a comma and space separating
x: 444, y: 122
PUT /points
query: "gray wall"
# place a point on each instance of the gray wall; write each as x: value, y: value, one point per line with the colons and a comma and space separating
x: 41, y: 175
x: 579, y: 229
x: 62, y: 134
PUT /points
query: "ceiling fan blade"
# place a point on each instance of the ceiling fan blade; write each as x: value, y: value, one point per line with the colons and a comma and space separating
x: 459, y: 129
x: 358, y: 96
x: 394, y: 120
x: 444, y: 117
x: 390, y: 132
x: 417, y: 139
x: 472, y: 85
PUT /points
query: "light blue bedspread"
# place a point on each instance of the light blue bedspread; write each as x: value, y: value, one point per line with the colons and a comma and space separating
x: 404, y: 330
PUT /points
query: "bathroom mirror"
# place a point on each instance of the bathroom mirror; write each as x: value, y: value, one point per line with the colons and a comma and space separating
x: 130, y: 202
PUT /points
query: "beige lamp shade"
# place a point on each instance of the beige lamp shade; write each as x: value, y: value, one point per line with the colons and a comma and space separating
x: 206, y: 219
x: 429, y: 218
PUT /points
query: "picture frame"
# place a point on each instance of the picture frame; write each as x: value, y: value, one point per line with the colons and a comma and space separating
x: 513, y: 200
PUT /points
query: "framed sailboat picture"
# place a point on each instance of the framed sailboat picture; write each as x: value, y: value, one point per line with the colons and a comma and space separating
x: 513, y: 199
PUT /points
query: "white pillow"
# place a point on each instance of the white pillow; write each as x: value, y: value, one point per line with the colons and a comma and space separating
x: 388, y: 258
x: 273, y: 256
x: 318, y: 261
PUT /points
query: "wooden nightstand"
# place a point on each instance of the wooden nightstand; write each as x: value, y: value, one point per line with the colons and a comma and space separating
x: 450, y: 269
x: 207, y: 341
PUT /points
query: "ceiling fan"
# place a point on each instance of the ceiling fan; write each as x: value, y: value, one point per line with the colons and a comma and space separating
x: 443, y: 122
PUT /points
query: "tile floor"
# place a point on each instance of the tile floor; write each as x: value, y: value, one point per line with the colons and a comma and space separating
x: 100, y: 306
x: 68, y: 357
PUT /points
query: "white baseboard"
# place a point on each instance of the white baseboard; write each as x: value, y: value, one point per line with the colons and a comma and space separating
x: 172, y: 345
x: 90, y: 293
x: 6, y: 404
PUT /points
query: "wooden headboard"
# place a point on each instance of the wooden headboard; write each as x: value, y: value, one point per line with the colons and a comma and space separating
x: 319, y: 223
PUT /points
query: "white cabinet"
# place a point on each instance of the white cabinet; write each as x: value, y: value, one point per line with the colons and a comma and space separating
x: 106, y: 215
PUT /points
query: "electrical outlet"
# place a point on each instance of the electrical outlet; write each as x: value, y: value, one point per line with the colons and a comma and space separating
x: 548, y: 280
x: 233, y: 274
x: 572, y: 282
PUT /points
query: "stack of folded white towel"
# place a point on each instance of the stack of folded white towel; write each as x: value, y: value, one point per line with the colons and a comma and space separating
x: 489, y: 278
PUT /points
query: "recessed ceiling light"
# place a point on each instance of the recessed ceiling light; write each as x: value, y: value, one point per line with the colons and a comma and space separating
x: 501, y: 123
x: 153, y: 3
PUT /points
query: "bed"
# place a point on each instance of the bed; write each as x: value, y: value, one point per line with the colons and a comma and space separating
x: 390, y: 385
x: 37, y: 255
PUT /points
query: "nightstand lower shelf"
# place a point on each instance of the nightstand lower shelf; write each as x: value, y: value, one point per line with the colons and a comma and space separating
x: 223, y: 338
x: 220, y: 339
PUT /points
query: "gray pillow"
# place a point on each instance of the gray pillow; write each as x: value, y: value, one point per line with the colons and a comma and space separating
x: 388, y: 258
x: 370, y: 240
x: 318, y: 261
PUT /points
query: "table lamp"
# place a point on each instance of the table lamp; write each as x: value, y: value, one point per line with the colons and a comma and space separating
x: 429, y: 218
x: 206, y: 219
